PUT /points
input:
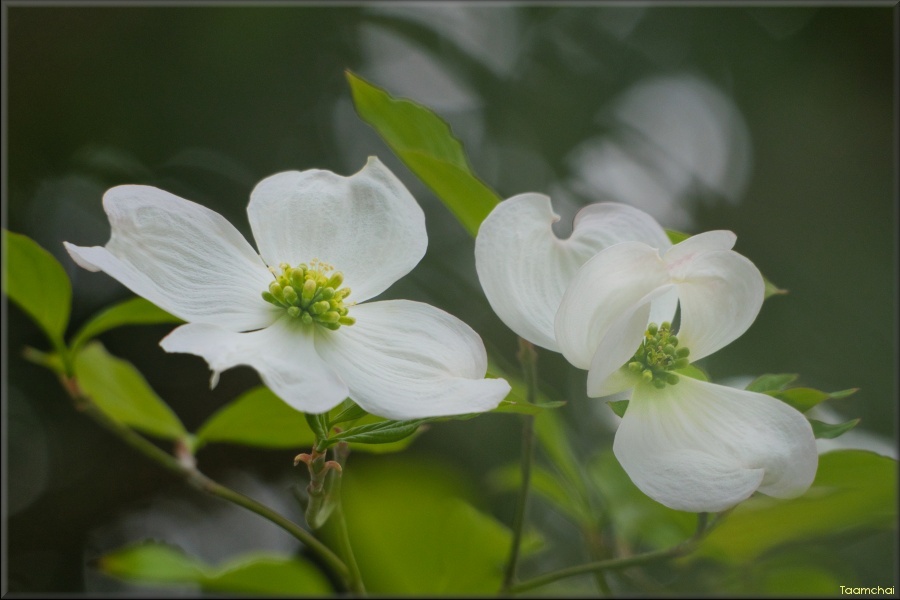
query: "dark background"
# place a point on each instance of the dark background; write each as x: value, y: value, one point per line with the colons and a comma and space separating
x: 790, y: 143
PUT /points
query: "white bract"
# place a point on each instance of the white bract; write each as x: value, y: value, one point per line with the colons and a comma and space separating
x: 285, y: 310
x: 687, y: 443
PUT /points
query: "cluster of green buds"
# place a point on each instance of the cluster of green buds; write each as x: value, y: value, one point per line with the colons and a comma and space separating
x: 311, y: 293
x: 658, y: 356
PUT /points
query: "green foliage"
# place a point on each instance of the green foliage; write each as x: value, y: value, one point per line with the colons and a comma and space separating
x: 38, y: 284
x: 425, y: 144
x: 551, y: 488
x: 618, y: 406
x: 257, y: 418
x: 414, y: 532
x: 804, y: 399
x: 255, y: 573
x: 134, y: 311
x: 854, y: 492
x: 117, y: 388
x: 382, y: 432
x: 771, y: 382
x: 832, y: 430
x: 517, y: 399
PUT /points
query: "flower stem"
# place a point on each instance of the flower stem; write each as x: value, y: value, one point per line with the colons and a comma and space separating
x: 355, y: 582
x: 186, y: 470
x: 685, y: 547
x: 527, y: 358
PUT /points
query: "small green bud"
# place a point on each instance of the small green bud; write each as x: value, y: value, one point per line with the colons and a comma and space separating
x: 659, y: 384
x: 297, y: 278
x: 635, y: 366
x: 665, y: 326
x: 307, y: 293
x: 276, y: 290
x: 336, y: 280
x: 268, y: 297
x: 294, y: 311
x: 346, y: 320
x: 652, y: 328
x: 682, y: 352
x: 647, y: 375
x: 319, y: 307
x: 306, y: 318
x: 673, y: 340
x: 681, y: 363
x: 669, y: 349
x: 290, y: 296
x: 671, y: 378
x: 327, y: 293
x: 329, y: 317
x: 331, y: 326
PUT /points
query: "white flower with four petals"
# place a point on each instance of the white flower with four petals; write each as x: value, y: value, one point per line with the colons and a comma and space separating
x: 313, y: 347
x: 596, y: 297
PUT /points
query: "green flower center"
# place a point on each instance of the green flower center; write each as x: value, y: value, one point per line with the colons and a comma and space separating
x: 311, y: 293
x: 658, y: 356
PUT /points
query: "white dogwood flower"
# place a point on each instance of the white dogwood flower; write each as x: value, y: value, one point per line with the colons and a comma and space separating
x: 287, y: 311
x: 689, y: 444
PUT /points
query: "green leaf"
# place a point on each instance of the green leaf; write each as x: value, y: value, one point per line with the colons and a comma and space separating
x: 118, y: 389
x: 618, y: 406
x: 694, y: 372
x: 134, y: 311
x: 425, y: 144
x: 771, y: 382
x: 676, y: 237
x: 347, y: 411
x: 377, y: 433
x: 804, y: 399
x: 257, y: 418
x: 830, y: 431
x: 415, y: 532
x: 854, y: 492
x: 523, y: 408
x: 255, y: 573
x: 318, y: 424
x: 38, y: 284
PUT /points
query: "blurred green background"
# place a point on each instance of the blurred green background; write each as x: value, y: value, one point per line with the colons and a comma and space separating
x: 774, y: 122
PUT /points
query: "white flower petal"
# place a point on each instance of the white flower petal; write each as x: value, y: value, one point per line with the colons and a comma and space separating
x: 606, y: 289
x: 524, y: 268
x: 368, y: 225
x: 619, y: 344
x: 183, y: 257
x: 408, y: 360
x: 720, y: 292
x: 283, y: 354
x: 685, y: 251
x: 698, y: 446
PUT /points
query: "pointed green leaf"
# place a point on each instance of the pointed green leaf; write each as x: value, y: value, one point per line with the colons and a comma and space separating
x: 771, y: 382
x: 830, y: 431
x: 257, y: 418
x: 37, y: 283
x: 676, y: 237
x: 523, y: 408
x: 346, y: 412
x: 377, y: 433
x: 318, y: 424
x: 254, y: 573
x: 618, y: 406
x: 425, y: 144
x: 134, y: 311
x: 118, y: 389
x: 804, y: 399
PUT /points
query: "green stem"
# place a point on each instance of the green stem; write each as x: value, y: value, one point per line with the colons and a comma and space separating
x: 528, y: 358
x: 685, y: 547
x: 355, y: 577
x: 188, y: 472
x: 602, y: 565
